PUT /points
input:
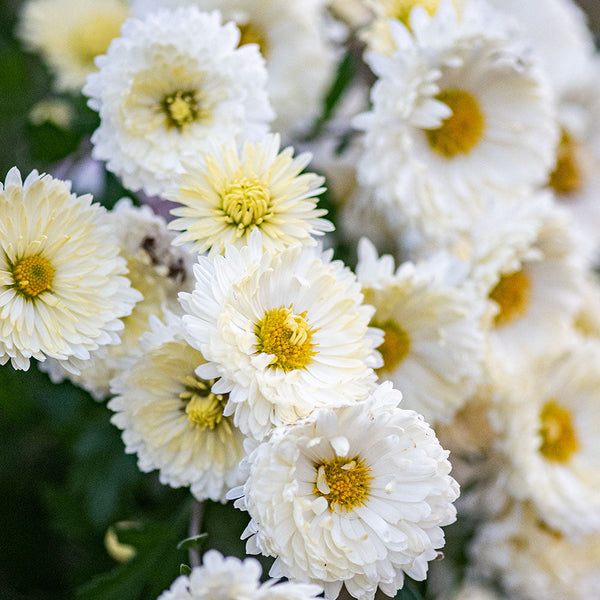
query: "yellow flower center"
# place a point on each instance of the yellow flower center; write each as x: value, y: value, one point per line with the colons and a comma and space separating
x: 204, y: 409
x: 343, y: 482
x: 252, y: 34
x: 400, y: 9
x: 395, y: 347
x: 287, y: 336
x: 181, y: 108
x: 512, y: 295
x: 559, y: 441
x: 246, y: 202
x: 566, y: 177
x: 33, y: 275
x: 93, y: 37
x: 462, y: 130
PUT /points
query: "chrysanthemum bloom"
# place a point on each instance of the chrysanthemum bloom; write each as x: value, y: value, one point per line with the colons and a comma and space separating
x: 172, y: 420
x: 167, y: 86
x: 354, y: 496
x: 229, y: 578
x: 290, y: 35
x: 460, y: 106
x: 234, y: 192
x: 433, y: 348
x: 69, y: 34
x: 62, y: 287
x: 285, y: 333
x: 532, y: 560
x: 548, y: 431
x: 157, y: 270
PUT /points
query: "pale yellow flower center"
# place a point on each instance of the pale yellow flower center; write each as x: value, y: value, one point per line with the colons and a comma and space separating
x: 181, y: 108
x: 462, y: 130
x: 204, y: 409
x: 566, y: 177
x: 400, y: 9
x: 33, y: 275
x: 251, y: 33
x: 559, y: 440
x: 344, y: 482
x: 395, y: 347
x: 512, y: 295
x: 287, y: 336
x: 93, y: 37
x: 246, y: 201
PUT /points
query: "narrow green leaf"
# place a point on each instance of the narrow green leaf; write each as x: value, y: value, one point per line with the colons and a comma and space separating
x: 192, y: 542
x: 184, y: 569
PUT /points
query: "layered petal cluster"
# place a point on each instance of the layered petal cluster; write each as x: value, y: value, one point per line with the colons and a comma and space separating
x: 63, y: 289
x: 167, y: 86
x: 354, y: 496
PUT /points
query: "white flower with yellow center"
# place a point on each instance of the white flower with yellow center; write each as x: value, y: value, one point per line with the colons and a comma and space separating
x: 290, y: 36
x: 157, y: 270
x: 172, y: 420
x: 229, y: 578
x: 548, y: 430
x: 169, y: 86
x: 69, y: 34
x: 532, y: 560
x: 354, y: 496
x: 460, y: 107
x: 63, y: 290
x: 234, y: 192
x: 282, y: 332
x: 433, y: 346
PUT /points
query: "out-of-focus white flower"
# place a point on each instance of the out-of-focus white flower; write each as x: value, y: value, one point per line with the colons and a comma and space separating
x: 354, y: 496
x: 172, y: 420
x: 69, y: 34
x: 433, y: 348
x: 234, y: 192
x: 229, y: 578
x: 460, y: 108
x: 62, y: 287
x: 167, y: 88
x: 285, y: 332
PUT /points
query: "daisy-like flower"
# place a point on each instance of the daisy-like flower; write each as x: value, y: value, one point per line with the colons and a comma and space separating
x: 167, y: 87
x: 532, y: 560
x: 460, y: 107
x: 354, y: 496
x: 229, y: 578
x: 69, y: 34
x: 62, y: 286
x: 547, y: 430
x: 433, y: 348
x: 234, y: 192
x: 282, y: 332
x: 157, y: 270
x: 172, y: 420
x: 290, y: 35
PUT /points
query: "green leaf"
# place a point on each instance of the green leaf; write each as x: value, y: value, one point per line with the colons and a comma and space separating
x: 184, y: 569
x: 192, y: 542
x: 408, y: 592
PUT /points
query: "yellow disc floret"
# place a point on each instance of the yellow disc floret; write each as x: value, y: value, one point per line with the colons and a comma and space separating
x: 400, y: 9
x: 559, y: 441
x: 181, y: 108
x: 246, y: 202
x: 287, y: 336
x: 512, y: 295
x: 204, y: 409
x: 462, y: 130
x: 395, y: 347
x: 33, y: 275
x: 344, y: 482
x: 566, y: 177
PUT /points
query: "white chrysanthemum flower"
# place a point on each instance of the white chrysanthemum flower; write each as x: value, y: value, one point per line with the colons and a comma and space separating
x: 62, y: 287
x: 157, y: 270
x: 473, y: 591
x: 234, y: 192
x: 282, y: 331
x: 352, y: 496
x: 460, y: 107
x: 290, y: 35
x: 172, y: 420
x: 169, y: 86
x: 69, y: 34
x: 548, y: 430
x: 534, y: 561
x: 433, y: 348
x: 229, y: 578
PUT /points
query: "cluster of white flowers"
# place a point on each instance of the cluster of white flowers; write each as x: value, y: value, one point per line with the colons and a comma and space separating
x: 244, y: 362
